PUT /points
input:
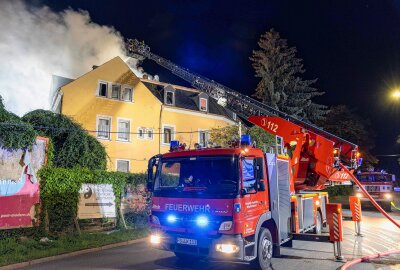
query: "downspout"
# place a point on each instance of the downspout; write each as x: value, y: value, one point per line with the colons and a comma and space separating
x: 159, y: 129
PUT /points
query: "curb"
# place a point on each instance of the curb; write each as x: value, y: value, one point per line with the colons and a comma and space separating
x: 71, y: 254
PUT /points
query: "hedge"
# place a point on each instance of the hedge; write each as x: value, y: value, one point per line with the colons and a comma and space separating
x: 59, y: 192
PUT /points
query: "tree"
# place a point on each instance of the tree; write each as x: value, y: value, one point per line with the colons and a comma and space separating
x: 226, y: 135
x: 14, y: 133
x: 73, y: 146
x: 346, y: 124
x: 281, y: 86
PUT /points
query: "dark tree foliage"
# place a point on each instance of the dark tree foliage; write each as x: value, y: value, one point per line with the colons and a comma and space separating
x: 281, y: 86
x: 73, y: 146
x: 346, y: 124
x: 14, y: 133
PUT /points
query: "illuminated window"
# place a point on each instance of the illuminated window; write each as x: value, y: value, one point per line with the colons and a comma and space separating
x: 168, y: 134
x: 203, y: 104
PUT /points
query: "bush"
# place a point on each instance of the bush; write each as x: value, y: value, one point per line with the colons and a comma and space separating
x: 335, y: 191
x: 60, y: 192
x: 73, y: 146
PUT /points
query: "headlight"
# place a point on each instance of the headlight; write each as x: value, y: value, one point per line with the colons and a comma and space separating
x: 202, y: 221
x: 388, y: 196
x: 225, y: 226
x: 359, y: 195
x: 155, y: 239
x: 171, y: 218
x: 227, y: 248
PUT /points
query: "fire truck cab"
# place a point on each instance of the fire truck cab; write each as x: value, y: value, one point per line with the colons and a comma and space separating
x: 229, y: 203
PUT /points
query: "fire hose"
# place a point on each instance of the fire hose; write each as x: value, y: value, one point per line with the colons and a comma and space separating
x: 377, y: 206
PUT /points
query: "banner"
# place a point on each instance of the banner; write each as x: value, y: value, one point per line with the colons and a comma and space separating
x: 96, y: 201
x: 19, y: 185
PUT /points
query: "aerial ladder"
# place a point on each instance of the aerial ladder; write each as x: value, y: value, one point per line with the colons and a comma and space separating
x: 315, y: 153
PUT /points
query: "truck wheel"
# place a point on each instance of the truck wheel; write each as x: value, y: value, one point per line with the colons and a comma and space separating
x: 318, y: 225
x: 387, y: 207
x: 264, y: 250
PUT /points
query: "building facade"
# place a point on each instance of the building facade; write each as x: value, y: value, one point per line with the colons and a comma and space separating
x: 137, y: 118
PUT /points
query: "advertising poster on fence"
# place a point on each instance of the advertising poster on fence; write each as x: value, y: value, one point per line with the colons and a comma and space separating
x: 134, y: 199
x: 96, y: 201
x: 19, y: 185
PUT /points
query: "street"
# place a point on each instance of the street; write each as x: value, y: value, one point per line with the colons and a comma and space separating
x: 379, y: 236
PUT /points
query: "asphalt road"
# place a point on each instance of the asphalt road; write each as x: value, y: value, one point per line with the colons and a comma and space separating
x: 379, y: 236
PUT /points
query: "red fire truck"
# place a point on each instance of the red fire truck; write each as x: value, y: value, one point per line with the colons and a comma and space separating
x: 379, y: 185
x: 240, y: 203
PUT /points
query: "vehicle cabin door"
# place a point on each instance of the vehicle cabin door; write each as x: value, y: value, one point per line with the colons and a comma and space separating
x: 254, y: 201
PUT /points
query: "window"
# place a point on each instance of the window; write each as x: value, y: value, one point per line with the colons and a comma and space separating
x: 203, y: 138
x: 115, y: 91
x: 124, y: 129
x: 203, y: 104
x: 169, y: 98
x: 149, y: 134
x: 104, y: 127
x: 168, y: 133
x: 248, y: 175
x: 127, y: 95
x: 103, y: 89
x: 234, y: 116
x: 141, y: 131
x: 123, y: 166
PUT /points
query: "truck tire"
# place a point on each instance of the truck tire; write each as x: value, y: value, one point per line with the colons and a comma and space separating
x: 387, y: 207
x: 264, y: 251
x: 318, y: 225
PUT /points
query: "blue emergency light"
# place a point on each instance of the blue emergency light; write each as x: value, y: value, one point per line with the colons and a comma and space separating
x: 174, y: 145
x: 245, y: 139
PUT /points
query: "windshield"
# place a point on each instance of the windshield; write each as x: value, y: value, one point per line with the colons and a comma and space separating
x: 374, y: 177
x: 197, y: 177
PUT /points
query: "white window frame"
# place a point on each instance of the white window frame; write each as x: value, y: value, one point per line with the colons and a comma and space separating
x: 98, y: 88
x: 173, y: 97
x: 147, y: 133
x: 199, y: 136
x: 116, y: 164
x: 130, y: 128
x: 234, y: 116
x: 173, y: 127
x: 119, y: 91
x: 123, y: 87
x: 206, y: 110
x: 98, y: 117
x: 143, y: 132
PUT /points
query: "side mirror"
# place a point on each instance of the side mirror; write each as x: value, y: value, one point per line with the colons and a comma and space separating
x: 151, y: 171
x: 243, y: 192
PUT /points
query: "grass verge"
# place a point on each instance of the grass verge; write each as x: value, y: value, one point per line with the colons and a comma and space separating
x: 16, y: 250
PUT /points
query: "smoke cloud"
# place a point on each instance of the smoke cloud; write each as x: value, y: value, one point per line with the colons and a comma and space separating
x: 38, y: 42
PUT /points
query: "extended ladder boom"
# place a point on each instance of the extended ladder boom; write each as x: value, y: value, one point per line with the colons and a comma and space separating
x: 246, y: 106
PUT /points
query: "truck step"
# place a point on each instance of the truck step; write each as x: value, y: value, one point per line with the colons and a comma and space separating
x: 249, y: 258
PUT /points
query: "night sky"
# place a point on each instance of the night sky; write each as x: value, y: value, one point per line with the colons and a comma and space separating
x: 352, y: 47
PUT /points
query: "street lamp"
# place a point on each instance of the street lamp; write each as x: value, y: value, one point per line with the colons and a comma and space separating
x: 395, y: 94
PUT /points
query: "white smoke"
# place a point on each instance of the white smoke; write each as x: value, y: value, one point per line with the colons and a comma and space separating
x: 37, y: 42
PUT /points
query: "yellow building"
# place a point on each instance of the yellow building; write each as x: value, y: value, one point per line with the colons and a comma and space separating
x: 136, y: 118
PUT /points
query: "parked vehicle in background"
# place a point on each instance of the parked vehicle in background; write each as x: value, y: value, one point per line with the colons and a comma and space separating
x: 379, y: 185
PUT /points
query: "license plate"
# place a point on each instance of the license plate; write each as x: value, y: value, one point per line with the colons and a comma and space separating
x: 186, y: 241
